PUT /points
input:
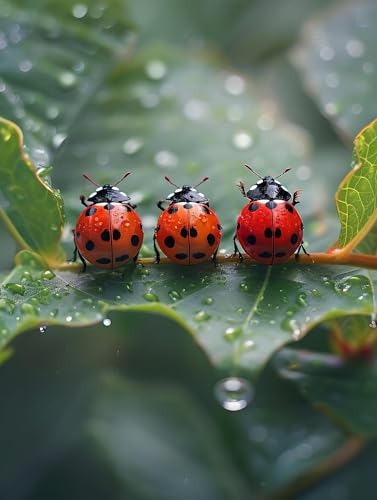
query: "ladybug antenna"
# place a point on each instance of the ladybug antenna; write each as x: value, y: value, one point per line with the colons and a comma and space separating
x: 123, y: 177
x: 90, y: 180
x: 254, y: 172
x: 201, y: 182
x: 285, y: 171
x: 170, y: 182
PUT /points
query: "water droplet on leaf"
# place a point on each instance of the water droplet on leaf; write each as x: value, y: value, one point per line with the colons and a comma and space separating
x: 233, y: 393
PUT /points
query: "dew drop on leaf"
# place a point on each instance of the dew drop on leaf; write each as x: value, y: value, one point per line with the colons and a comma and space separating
x: 106, y: 322
x: 43, y: 329
x: 201, y: 316
x: 231, y: 334
x: 79, y: 10
x: 16, y: 288
x: 151, y: 297
x: 233, y: 393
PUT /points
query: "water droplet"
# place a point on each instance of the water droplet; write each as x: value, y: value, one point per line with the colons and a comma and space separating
x: 54, y: 313
x: 28, y: 309
x: 52, y: 112
x: 244, y: 286
x: 326, y: 53
x: 79, y: 10
x: 166, y: 159
x: 355, y: 48
x: 43, y: 328
x: 248, y: 345
x: 201, y: 316
x: 208, y: 301
x: 106, y: 322
x: 233, y: 393
x: 316, y: 292
x: 58, y: 140
x: 68, y: 319
x: 7, y: 305
x: 235, y: 84
x: 5, y: 134
x: 26, y: 276
x: 331, y: 108
x: 155, y: 69
x: 25, y: 65
x: 174, y: 295
x: 242, y: 140
x: 132, y: 145
x: 240, y: 310
x: 231, y: 334
x: 16, y: 288
x: 151, y: 297
x: 47, y: 275
x: 195, y: 109
x: 67, y: 79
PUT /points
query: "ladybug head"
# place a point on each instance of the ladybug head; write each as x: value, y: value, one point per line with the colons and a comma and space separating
x: 108, y: 192
x: 186, y: 193
x: 268, y: 188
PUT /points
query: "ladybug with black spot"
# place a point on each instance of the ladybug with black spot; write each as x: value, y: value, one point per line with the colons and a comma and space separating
x: 269, y: 228
x: 188, y: 231
x: 109, y: 232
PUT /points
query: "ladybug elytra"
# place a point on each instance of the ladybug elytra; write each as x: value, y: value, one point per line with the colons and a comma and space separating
x: 109, y: 232
x: 269, y: 228
x: 188, y: 231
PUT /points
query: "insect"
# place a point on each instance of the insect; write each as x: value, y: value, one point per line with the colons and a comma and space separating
x: 109, y: 232
x: 269, y: 228
x: 187, y: 231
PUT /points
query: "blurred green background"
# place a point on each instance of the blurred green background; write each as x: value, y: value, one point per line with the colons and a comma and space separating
x: 185, y: 89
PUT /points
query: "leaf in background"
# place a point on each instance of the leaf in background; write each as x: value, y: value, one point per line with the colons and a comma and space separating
x: 357, y: 194
x: 53, y: 56
x: 338, y: 60
x: 344, y: 390
x: 32, y: 210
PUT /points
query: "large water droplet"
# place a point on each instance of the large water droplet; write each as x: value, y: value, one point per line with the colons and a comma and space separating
x: 25, y: 66
x: 155, y: 69
x: 231, y: 334
x: 79, y: 10
x: 47, y: 275
x: 174, y: 295
x: 242, y: 140
x: 166, y: 159
x: 151, y: 297
x: 7, y: 305
x: 67, y: 79
x: 233, y: 393
x: 16, y: 288
x: 201, y: 316
x: 235, y: 84
x: 106, y: 322
x: 28, y: 309
x: 132, y: 145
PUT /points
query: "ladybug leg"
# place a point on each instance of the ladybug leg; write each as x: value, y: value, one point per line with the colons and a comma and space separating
x: 82, y: 199
x: 214, y: 256
x: 236, y: 249
x: 157, y: 253
x: 241, y: 185
x: 136, y: 257
x: 159, y: 204
x: 74, y: 258
x: 295, y: 200
x: 301, y: 247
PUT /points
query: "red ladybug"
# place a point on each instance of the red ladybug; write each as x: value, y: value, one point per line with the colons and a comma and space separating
x: 187, y: 231
x: 269, y: 227
x: 109, y: 232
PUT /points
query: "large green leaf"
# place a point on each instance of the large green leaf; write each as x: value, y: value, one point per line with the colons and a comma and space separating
x: 357, y: 195
x: 337, y: 58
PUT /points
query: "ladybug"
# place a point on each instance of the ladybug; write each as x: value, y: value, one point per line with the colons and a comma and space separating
x: 109, y: 232
x: 269, y: 228
x: 187, y: 231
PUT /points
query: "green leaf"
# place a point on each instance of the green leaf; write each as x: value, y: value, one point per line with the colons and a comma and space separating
x: 357, y: 195
x: 342, y: 389
x: 240, y: 314
x: 33, y: 211
x: 337, y: 58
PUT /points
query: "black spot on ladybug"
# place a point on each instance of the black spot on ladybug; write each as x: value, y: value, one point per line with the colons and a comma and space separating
x: 253, y: 207
x: 187, y: 206
x: 184, y: 232
x: 198, y: 255
x: 294, y: 238
x: 268, y: 232
x: 135, y: 240
x: 172, y: 210
x: 211, y: 239
x: 122, y: 258
x: 103, y: 260
x: 278, y: 232
x: 271, y: 204
x: 280, y: 254
x: 219, y: 227
x: 265, y: 255
x: 90, y: 211
x: 169, y: 241
x: 105, y: 235
x: 78, y: 235
x: 238, y: 225
x: 116, y: 234
x: 193, y: 232
x: 251, y: 239
x: 205, y: 209
x: 289, y: 207
x: 109, y: 206
x: 181, y: 256
x: 89, y: 245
